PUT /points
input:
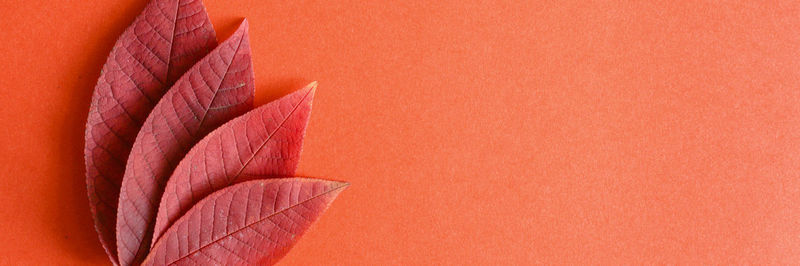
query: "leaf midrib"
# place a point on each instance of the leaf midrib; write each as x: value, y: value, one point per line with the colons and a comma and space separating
x: 258, y: 221
x: 222, y: 80
x: 264, y: 144
x: 167, y: 80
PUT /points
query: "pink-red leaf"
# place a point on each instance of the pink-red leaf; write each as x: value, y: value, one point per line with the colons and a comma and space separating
x: 163, y: 42
x: 250, y: 223
x: 216, y: 89
x: 264, y: 142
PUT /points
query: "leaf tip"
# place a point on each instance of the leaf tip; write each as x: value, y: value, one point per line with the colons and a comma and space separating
x: 339, y: 185
x: 312, y: 87
x: 330, y: 188
x: 336, y: 187
x: 243, y: 29
x: 307, y: 92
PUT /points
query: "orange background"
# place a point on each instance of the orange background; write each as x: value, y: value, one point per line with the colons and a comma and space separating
x: 472, y: 132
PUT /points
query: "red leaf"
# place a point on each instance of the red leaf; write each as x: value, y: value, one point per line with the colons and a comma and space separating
x: 254, y: 223
x: 164, y: 40
x: 262, y: 143
x: 215, y: 90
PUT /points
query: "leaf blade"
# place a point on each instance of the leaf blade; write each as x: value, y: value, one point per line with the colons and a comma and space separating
x: 139, y: 69
x: 216, y: 89
x: 264, y: 142
x: 261, y: 221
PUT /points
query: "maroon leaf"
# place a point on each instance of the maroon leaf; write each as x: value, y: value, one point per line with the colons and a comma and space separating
x: 215, y: 90
x: 252, y: 223
x: 164, y: 40
x: 264, y: 142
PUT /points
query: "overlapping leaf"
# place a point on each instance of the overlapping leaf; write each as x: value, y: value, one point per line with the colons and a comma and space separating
x: 216, y: 89
x: 262, y: 143
x: 250, y: 223
x: 166, y: 39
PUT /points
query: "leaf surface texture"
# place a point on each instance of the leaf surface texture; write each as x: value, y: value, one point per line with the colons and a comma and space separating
x: 250, y: 223
x: 263, y: 143
x: 167, y: 38
x: 216, y: 89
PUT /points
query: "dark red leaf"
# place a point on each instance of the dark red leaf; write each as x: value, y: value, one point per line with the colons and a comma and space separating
x: 162, y: 43
x: 215, y: 90
x: 264, y: 142
x: 250, y: 223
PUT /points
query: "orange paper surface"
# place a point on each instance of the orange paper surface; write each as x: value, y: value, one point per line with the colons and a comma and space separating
x: 471, y: 132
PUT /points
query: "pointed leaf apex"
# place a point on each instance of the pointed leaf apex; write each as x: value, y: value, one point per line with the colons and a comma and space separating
x: 340, y: 185
x: 307, y: 92
x: 336, y: 187
x: 243, y: 29
x: 309, y: 89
